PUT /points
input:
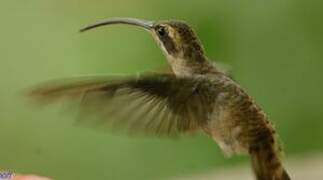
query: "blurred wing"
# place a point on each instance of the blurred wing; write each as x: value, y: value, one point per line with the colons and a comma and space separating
x: 159, y: 104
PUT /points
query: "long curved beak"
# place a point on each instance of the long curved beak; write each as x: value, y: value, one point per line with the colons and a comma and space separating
x: 121, y: 20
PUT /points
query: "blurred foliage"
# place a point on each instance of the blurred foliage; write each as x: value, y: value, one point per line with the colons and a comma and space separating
x: 275, y: 49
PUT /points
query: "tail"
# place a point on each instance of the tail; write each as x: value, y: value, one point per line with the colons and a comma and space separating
x: 266, y: 163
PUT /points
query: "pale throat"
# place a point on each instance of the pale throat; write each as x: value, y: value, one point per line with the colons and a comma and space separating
x: 179, y: 65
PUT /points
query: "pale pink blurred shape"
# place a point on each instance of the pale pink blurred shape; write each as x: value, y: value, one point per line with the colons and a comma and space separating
x: 29, y: 177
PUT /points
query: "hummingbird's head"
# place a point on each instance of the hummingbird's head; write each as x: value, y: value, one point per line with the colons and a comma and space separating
x: 177, y: 40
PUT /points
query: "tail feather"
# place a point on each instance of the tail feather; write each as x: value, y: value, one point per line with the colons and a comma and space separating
x: 266, y: 163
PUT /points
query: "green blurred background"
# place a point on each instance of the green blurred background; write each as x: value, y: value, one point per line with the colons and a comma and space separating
x: 275, y: 49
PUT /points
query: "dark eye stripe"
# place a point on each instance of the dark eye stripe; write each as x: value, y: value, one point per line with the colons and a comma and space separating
x: 169, y: 44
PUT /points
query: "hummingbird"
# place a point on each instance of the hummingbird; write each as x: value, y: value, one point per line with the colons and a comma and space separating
x: 196, y: 95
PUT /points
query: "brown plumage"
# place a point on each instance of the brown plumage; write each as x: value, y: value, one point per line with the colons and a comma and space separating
x: 196, y: 96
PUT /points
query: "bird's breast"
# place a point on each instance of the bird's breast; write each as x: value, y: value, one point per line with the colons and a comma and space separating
x: 222, y: 128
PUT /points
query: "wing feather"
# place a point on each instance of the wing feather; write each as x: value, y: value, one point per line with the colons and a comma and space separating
x: 157, y: 104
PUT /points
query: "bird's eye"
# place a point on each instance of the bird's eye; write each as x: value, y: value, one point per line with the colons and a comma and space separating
x: 161, y: 31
